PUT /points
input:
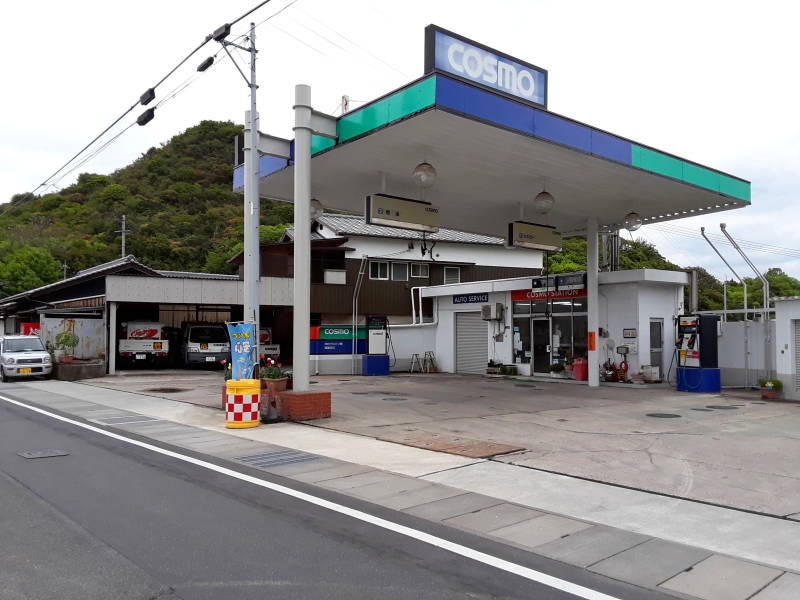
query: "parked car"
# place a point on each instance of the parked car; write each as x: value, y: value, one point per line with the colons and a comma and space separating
x: 23, y: 356
x: 205, y: 343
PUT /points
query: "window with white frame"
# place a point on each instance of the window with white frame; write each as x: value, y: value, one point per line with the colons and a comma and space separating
x: 452, y: 275
x: 378, y: 270
x: 399, y: 271
x: 420, y: 270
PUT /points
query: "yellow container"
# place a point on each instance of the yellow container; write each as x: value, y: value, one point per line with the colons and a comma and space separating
x: 243, y: 404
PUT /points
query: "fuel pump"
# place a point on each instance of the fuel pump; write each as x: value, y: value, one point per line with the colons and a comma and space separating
x: 697, y: 352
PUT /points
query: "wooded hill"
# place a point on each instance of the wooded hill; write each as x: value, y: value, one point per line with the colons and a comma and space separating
x: 183, y: 216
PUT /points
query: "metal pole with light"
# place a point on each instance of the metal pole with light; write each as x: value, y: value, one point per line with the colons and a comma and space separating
x: 252, y: 262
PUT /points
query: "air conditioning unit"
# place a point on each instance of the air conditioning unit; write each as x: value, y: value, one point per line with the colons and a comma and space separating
x: 492, y: 312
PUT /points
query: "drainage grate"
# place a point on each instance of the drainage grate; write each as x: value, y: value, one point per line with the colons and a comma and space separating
x: 276, y: 459
x: 125, y: 420
x: 722, y: 407
x: 663, y: 415
x: 165, y: 390
x: 42, y: 453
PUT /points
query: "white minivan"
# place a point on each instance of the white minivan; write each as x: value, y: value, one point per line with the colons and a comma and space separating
x: 23, y: 356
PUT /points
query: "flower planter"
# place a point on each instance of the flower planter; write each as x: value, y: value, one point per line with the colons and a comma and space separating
x: 770, y: 394
x: 280, y: 383
x: 66, y: 359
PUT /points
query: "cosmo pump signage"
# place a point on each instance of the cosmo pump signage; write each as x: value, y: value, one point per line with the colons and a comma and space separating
x: 450, y: 53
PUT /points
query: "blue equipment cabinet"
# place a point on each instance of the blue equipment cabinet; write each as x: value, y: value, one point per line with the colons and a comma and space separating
x: 702, y: 381
x: 375, y: 364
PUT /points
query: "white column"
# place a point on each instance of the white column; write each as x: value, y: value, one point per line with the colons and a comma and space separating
x: 111, y: 313
x: 593, y: 302
x: 302, y: 238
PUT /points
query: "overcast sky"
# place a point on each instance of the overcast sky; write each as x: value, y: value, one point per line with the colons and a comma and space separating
x: 711, y: 81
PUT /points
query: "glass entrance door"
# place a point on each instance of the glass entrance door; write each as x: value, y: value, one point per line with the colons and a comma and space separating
x: 541, y: 345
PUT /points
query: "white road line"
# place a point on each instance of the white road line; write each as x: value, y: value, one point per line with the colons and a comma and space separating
x: 482, y: 557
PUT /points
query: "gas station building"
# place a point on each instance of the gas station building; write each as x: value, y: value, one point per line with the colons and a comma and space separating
x: 479, y: 117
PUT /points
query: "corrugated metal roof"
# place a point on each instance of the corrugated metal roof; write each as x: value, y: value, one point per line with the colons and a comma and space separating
x: 195, y: 275
x: 129, y: 260
x: 344, y: 225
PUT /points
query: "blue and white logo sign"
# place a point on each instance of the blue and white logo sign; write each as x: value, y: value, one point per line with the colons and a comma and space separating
x: 470, y: 298
x: 486, y: 67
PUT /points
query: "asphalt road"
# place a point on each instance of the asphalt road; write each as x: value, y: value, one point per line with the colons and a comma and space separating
x: 112, y: 520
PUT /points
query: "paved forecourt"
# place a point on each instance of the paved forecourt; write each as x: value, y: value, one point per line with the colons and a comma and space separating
x: 639, y: 538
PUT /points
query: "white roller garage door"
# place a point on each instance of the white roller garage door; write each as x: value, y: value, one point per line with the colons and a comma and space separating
x: 472, y: 346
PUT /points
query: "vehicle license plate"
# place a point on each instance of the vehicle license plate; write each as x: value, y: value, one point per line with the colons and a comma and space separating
x: 211, y: 358
x: 141, y: 356
x: 24, y: 371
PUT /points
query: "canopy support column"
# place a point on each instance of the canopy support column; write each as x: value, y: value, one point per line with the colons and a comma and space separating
x: 302, y: 239
x: 592, y: 301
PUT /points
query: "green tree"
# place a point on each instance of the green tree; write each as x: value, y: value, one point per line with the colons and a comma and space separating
x: 26, y: 268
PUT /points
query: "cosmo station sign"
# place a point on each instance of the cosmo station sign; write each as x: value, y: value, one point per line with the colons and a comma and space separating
x: 458, y: 56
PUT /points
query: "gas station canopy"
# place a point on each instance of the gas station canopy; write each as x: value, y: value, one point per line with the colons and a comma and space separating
x: 494, y: 151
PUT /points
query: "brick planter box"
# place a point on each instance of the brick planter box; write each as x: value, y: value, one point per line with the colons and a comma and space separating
x: 304, y: 406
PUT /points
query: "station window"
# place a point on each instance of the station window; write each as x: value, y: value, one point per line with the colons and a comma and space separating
x: 522, y: 307
x: 420, y: 270
x: 399, y: 271
x: 452, y: 275
x: 378, y: 270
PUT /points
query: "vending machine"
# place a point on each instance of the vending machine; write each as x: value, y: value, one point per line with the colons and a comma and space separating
x: 697, y: 353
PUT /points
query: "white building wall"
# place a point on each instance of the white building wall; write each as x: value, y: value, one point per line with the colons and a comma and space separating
x: 407, y: 341
x: 786, y: 311
x: 732, y: 348
x: 480, y: 254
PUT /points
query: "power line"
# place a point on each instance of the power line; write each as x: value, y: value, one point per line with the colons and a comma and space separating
x: 750, y: 245
x: 149, y: 94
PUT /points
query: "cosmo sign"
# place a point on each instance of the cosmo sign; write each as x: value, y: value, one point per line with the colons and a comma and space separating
x: 453, y: 54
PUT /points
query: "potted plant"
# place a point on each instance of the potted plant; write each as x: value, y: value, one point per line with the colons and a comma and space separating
x: 67, y: 341
x: 771, y: 389
x: 508, y: 370
x: 557, y: 369
x: 271, y: 371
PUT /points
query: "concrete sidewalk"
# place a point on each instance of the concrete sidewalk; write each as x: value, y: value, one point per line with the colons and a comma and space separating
x: 645, y: 539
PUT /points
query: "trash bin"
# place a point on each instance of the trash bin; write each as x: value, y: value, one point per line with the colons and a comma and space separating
x: 580, y: 369
x: 242, y: 409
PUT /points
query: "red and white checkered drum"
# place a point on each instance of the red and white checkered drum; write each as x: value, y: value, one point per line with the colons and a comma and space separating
x: 243, y: 406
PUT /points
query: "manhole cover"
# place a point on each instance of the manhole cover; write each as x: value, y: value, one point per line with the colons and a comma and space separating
x: 42, y: 453
x: 703, y: 409
x: 722, y: 407
x: 562, y: 420
x: 663, y: 415
x: 393, y: 399
x: 385, y: 393
x: 165, y: 390
x: 360, y: 393
x: 342, y: 380
x: 527, y: 385
x: 758, y: 403
x: 431, y: 403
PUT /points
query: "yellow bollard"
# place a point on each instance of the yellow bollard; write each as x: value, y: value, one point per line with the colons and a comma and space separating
x: 243, y: 408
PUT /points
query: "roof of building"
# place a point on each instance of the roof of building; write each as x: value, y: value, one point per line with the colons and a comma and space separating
x: 113, y: 266
x: 194, y: 275
x: 350, y: 225
x: 109, y: 268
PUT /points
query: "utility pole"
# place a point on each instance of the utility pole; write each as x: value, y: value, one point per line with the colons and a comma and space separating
x: 252, y: 219
x: 122, y: 231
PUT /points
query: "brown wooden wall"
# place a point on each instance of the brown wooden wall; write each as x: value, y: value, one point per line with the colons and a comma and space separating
x: 394, y: 297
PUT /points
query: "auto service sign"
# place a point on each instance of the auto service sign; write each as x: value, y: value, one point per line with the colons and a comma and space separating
x: 451, y: 53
